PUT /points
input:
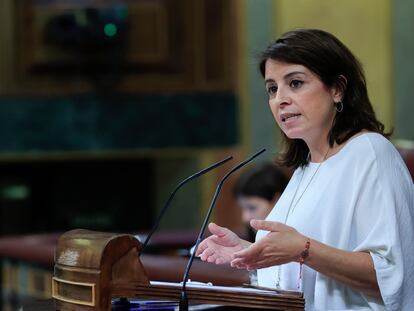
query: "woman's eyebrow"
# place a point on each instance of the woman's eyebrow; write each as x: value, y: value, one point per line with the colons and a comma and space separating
x: 287, y: 76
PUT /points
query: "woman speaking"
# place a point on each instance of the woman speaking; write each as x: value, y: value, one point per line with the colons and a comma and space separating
x: 342, y: 230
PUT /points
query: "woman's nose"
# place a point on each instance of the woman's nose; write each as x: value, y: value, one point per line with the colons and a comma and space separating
x: 282, y: 97
x: 246, y: 217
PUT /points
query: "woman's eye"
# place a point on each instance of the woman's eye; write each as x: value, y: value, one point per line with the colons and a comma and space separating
x: 272, y: 89
x: 252, y: 208
x: 296, y: 84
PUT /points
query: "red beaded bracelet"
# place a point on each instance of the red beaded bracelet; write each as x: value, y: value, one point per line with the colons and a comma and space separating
x: 303, y: 256
x: 305, y: 252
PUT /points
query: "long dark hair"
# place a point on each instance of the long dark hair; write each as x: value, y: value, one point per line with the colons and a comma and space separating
x: 336, y: 66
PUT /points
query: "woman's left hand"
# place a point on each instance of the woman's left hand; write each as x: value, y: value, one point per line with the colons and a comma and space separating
x: 281, y: 245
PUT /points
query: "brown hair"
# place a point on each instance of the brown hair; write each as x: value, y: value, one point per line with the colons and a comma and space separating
x: 336, y: 66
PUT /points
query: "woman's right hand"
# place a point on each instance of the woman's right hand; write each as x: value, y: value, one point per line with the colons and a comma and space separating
x: 220, y: 246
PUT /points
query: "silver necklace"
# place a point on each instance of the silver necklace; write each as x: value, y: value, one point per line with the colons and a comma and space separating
x: 293, y: 206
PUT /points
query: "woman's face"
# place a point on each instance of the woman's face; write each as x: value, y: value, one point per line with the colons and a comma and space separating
x: 253, y: 207
x: 303, y: 107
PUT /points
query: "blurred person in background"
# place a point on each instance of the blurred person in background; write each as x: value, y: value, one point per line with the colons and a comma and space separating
x: 257, y: 191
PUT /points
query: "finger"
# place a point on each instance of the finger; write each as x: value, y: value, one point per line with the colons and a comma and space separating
x: 203, y: 245
x: 242, y: 262
x: 201, y: 248
x: 248, y: 265
x: 237, y: 264
x: 216, y: 258
x: 206, y: 254
x: 241, y: 267
x: 266, y: 225
x: 220, y: 261
x: 217, y: 230
x: 202, y: 257
x: 212, y: 258
x: 259, y: 265
x: 249, y: 252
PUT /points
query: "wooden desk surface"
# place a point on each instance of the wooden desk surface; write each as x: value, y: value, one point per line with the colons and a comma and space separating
x: 49, y: 305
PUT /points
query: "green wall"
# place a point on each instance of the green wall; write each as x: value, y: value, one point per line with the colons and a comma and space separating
x: 364, y: 26
x: 259, y: 127
x: 403, y: 21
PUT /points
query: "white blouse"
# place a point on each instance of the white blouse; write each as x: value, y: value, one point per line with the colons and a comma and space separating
x: 360, y: 199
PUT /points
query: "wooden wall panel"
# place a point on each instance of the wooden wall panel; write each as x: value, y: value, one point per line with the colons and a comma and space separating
x: 167, y: 46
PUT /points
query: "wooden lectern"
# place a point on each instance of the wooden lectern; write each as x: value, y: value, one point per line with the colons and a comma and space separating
x: 91, y: 268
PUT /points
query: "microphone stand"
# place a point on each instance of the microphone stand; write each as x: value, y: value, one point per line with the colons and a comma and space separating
x: 183, y: 297
x: 160, y: 216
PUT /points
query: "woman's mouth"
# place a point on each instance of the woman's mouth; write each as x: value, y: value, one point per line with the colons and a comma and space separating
x: 289, y: 116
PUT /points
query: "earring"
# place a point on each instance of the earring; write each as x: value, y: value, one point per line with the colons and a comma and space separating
x: 339, y: 106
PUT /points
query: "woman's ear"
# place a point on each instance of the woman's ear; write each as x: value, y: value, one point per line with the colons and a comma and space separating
x: 339, y: 88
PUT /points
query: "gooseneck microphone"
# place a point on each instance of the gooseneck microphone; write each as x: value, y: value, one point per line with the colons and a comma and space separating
x: 183, y: 298
x: 195, y: 175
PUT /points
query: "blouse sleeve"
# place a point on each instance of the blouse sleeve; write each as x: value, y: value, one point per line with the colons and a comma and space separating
x: 384, y: 224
